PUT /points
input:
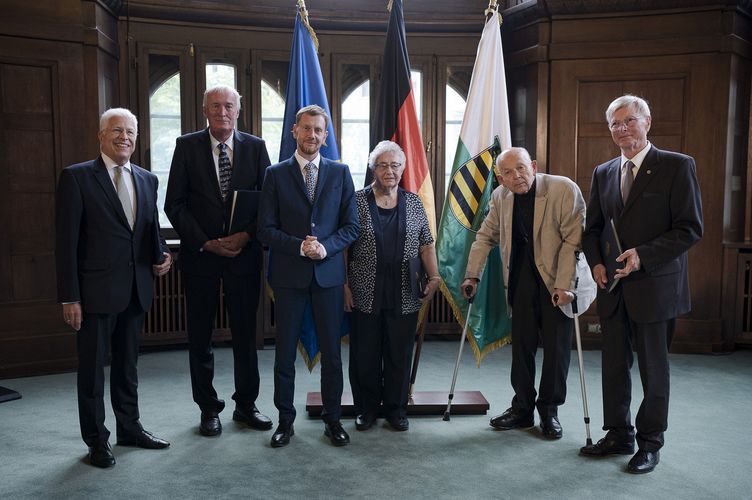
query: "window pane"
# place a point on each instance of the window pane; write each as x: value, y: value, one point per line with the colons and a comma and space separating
x: 273, y: 85
x: 221, y: 74
x: 455, y: 109
x: 164, y: 121
x: 417, y: 79
x: 355, y: 138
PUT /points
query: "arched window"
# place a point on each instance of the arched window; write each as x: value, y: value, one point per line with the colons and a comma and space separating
x: 164, y: 126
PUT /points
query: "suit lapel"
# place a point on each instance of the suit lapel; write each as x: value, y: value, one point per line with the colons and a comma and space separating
x: 142, y: 194
x: 644, y: 176
x: 211, y: 169
x: 105, y: 182
x: 612, y: 189
x: 239, y: 152
x: 296, y: 177
x: 323, y: 171
x: 541, y: 196
x: 507, y: 206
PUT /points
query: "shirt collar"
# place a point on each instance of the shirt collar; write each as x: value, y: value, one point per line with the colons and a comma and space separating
x: 111, y: 164
x: 229, y: 142
x: 302, y: 162
x: 638, y: 158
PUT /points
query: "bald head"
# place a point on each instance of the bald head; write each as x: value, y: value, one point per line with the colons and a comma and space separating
x: 515, y: 170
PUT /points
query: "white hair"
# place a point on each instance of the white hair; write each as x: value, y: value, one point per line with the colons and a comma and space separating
x: 222, y: 89
x: 113, y: 112
x: 385, y: 147
x: 637, y: 104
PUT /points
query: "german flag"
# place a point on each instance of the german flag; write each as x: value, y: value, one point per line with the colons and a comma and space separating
x: 396, y: 115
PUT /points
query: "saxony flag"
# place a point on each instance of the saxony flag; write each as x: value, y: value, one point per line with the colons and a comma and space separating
x: 485, y: 129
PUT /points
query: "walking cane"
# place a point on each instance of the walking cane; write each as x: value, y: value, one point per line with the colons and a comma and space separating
x: 468, y: 290
x: 589, y: 441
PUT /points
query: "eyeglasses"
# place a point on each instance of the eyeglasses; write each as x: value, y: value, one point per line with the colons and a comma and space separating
x: 117, y: 131
x: 618, y: 124
x: 394, y: 166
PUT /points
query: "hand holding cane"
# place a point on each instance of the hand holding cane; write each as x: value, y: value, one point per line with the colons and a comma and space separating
x: 575, y: 313
x: 470, y: 297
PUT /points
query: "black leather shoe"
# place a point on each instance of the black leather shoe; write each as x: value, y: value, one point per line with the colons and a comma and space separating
x: 609, y: 445
x: 643, y: 462
x: 400, y: 424
x: 365, y: 421
x: 143, y: 439
x: 282, y: 435
x: 100, y: 455
x: 250, y: 416
x: 336, y: 434
x: 512, y: 419
x: 551, y: 427
x: 210, y: 424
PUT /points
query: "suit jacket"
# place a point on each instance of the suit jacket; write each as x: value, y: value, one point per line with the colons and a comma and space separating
x: 98, y: 256
x: 286, y: 217
x: 194, y: 202
x: 557, y: 231
x: 661, y: 219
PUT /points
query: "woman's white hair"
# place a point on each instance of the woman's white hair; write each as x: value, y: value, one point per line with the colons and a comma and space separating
x: 385, y: 147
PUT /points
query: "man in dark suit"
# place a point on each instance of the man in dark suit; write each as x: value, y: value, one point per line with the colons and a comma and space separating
x: 654, y: 200
x: 108, y: 250
x: 207, y: 167
x: 308, y: 217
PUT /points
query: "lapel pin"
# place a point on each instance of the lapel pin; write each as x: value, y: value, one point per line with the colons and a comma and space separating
x: 649, y: 172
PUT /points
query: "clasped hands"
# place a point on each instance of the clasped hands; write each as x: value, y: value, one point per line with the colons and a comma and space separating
x: 313, y: 249
x: 228, y: 246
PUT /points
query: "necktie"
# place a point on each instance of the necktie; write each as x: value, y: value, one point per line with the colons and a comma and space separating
x: 310, y: 180
x: 225, y: 170
x: 123, y: 196
x: 627, y: 179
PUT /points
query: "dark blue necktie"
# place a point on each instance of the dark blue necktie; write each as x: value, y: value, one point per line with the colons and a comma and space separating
x: 225, y: 170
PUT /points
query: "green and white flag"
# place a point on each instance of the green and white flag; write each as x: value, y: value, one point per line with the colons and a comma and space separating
x: 485, y: 128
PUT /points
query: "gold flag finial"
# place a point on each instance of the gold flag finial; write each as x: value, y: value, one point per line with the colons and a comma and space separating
x: 493, y: 8
x: 304, y: 18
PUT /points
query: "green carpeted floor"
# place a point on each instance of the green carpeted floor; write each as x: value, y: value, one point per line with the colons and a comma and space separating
x: 706, y: 452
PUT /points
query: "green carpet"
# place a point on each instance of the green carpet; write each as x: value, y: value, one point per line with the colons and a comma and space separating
x: 42, y: 455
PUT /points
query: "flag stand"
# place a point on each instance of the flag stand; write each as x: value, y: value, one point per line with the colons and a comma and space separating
x: 422, y: 403
x: 8, y: 394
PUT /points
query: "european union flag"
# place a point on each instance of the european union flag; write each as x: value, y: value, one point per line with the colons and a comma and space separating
x: 305, y: 86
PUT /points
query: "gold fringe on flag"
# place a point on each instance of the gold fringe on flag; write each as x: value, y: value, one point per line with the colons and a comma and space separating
x: 304, y: 18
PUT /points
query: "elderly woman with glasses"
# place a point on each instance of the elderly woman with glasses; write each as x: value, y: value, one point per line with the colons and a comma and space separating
x: 381, y: 292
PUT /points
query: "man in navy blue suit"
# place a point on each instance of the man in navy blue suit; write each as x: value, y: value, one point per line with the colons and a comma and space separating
x: 108, y: 250
x: 207, y: 167
x: 307, y: 218
x: 653, y: 198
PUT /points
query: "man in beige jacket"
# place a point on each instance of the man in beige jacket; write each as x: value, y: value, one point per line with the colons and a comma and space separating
x: 537, y: 221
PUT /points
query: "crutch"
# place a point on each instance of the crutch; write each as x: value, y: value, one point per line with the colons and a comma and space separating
x: 575, y: 313
x: 468, y: 290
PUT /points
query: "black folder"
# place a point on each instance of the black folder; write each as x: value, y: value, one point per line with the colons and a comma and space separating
x: 610, y: 250
x: 418, y: 278
x: 244, y: 209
